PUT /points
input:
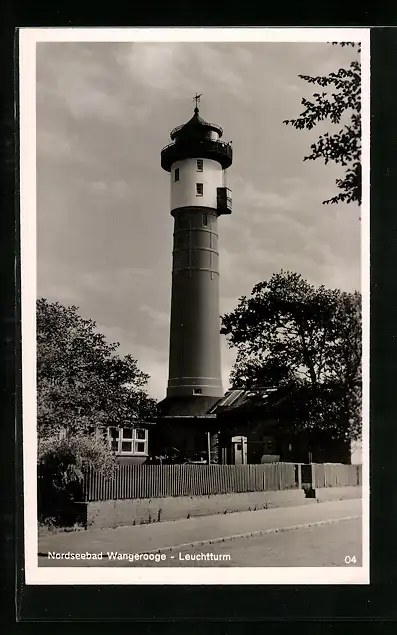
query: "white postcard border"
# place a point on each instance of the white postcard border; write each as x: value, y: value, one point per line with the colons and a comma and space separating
x: 28, y: 38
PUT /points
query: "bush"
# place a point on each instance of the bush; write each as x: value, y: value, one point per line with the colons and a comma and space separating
x: 60, y: 470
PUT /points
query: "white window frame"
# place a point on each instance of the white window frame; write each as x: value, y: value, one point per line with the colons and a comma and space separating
x: 133, y: 439
x: 140, y: 452
x: 200, y: 165
x: 197, y: 189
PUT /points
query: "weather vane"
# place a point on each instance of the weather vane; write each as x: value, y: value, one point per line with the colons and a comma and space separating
x: 196, y: 98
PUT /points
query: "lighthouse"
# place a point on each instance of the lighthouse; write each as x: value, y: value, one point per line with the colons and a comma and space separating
x: 196, y: 159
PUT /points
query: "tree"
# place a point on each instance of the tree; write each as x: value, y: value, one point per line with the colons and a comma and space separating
x: 341, y: 106
x: 290, y: 333
x: 81, y: 381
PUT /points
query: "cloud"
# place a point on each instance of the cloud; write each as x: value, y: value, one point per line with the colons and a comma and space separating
x: 91, y: 285
x: 85, y: 100
x: 51, y: 144
x: 55, y: 147
x: 120, y: 281
x: 159, y: 319
x: 80, y: 78
x: 155, y: 66
x: 113, y: 189
x: 76, y: 79
x: 217, y: 66
x: 252, y: 195
x: 244, y: 56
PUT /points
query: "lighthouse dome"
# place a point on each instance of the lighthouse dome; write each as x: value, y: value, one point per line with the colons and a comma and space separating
x: 197, y: 139
x: 196, y: 127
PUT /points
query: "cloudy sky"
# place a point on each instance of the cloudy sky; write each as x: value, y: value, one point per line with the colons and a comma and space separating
x: 104, y: 111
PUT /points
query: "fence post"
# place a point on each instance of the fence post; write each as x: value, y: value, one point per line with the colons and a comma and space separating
x: 299, y: 466
x: 86, y: 483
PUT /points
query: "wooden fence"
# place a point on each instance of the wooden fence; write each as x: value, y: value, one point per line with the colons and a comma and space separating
x: 336, y: 475
x: 157, y: 481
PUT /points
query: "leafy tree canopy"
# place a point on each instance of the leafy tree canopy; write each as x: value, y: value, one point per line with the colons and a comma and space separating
x: 81, y: 381
x: 290, y: 333
x: 340, y: 104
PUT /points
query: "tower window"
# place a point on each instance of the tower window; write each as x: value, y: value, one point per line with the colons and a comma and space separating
x: 176, y: 175
x: 197, y: 391
x: 200, y: 165
x: 199, y: 189
x: 205, y: 220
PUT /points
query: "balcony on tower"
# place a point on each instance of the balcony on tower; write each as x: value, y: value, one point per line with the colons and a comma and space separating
x: 198, y: 149
x: 224, y: 200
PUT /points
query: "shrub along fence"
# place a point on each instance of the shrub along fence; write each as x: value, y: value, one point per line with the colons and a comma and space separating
x: 158, y: 481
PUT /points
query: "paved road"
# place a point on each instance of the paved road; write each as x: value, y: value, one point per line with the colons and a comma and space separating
x: 322, y: 545
x: 319, y: 546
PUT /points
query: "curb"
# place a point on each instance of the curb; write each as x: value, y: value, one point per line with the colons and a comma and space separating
x: 260, y: 532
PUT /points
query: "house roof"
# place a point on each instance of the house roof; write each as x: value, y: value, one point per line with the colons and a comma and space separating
x: 234, y: 403
x: 241, y: 398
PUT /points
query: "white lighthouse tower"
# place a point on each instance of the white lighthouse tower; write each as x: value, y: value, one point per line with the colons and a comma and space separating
x: 196, y: 160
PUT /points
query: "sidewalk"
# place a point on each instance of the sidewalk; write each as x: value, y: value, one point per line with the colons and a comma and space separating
x: 165, y: 535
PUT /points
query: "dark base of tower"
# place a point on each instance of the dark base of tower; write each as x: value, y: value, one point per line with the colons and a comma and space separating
x: 188, y: 405
x: 186, y: 430
x: 185, y: 440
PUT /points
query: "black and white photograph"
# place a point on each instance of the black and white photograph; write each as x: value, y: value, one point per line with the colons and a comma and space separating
x: 195, y: 305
